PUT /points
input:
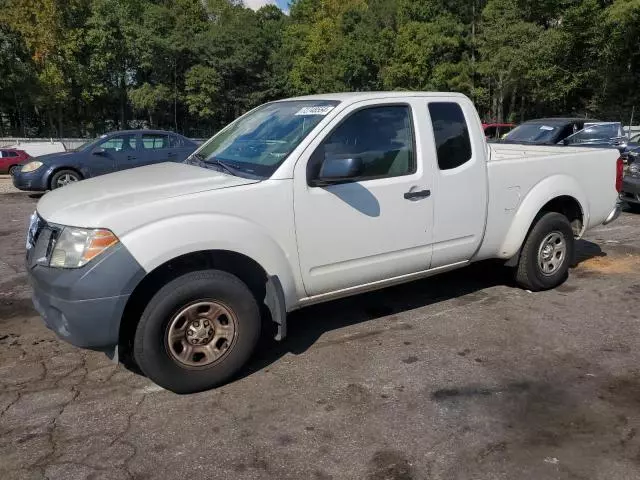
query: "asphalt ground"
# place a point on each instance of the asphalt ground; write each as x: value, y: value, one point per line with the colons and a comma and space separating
x: 461, y: 376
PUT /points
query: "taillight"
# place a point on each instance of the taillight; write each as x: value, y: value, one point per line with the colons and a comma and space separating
x: 619, y: 174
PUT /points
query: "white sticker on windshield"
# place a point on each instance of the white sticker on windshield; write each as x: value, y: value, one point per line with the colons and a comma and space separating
x: 544, y: 127
x: 321, y: 110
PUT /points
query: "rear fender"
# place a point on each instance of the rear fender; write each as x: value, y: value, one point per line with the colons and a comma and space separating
x: 541, y: 194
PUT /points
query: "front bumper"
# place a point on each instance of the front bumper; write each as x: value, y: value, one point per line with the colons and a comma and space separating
x: 630, y: 189
x: 84, y: 306
x: 36, y: 181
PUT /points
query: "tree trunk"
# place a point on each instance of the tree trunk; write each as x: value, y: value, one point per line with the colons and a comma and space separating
x: 52, y: 126
x: 494, y: 104
x: 512, y: 106
x: 175, y: 96
x: 20, y: 124
x: 60, y: 122
x: 522, y: 108
x: 123, y: 103
x: 500, y: 95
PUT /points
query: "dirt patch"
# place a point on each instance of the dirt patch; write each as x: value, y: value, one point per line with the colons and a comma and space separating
x: 389, y: 465
x: 610, y: 265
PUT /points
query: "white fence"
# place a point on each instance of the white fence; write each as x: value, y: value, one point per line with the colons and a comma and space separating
x: 69, y: 143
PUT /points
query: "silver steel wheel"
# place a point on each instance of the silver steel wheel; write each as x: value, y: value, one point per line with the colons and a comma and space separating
x: 201, y: 334
x: 66, y: 179
x: 552, y: 253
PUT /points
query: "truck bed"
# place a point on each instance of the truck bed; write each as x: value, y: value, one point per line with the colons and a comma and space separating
x: 522, y: 176
x: 508, y: 151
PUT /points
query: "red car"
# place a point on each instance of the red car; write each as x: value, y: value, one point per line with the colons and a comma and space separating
x: 12, y: 158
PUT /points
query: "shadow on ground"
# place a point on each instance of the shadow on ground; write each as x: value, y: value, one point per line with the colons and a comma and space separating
x: 306, y: 326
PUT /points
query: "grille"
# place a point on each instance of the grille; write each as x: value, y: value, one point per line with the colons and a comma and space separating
x: 40, y: 241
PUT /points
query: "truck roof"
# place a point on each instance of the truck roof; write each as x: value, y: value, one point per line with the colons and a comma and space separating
x: 360, y: 96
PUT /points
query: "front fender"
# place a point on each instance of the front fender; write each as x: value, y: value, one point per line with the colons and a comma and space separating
x: 156, y: 243
x: 536, y: 198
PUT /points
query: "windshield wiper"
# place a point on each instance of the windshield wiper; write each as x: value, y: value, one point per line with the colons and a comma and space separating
x: 218, y: 163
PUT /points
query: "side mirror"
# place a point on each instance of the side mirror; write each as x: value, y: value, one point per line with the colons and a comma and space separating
x: 99, y: 151
x: 335, y: 170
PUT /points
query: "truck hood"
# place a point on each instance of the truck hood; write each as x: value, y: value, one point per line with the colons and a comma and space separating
x: 86, y: 203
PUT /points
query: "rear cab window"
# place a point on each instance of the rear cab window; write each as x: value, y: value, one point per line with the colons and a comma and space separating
x: 451, y: 134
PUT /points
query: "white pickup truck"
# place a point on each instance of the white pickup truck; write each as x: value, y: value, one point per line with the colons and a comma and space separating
x: 301, y: 201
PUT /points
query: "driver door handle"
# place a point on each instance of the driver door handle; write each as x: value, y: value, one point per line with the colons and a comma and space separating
x: 417, y: 195
x: 130, y: 157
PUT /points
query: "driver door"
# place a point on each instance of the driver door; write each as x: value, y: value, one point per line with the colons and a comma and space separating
x: 377, y: 225
x: 120, y: 152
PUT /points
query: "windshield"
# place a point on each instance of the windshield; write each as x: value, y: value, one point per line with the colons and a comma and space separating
x: 533, y: 133
x: 257, y: 143
x: 87, y: 144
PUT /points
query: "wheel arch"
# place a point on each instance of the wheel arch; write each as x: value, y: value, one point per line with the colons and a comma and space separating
x: 57, y: 169
x: 266, y: 289
x: 560, y: 194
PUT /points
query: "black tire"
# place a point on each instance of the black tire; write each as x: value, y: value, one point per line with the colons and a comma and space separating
x: 13, y: 169
x: 634, y: 207
x: 152, y: 353
x: 529, y: 273
x: 61, y: 174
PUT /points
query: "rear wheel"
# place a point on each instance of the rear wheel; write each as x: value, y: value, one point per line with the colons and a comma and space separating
x: 197, y: 331
x: 547, y: 253
x: 64, y: 177
x: 13, y: 169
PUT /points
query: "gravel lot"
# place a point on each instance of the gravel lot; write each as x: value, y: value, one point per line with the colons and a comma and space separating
x: 6, y: 186
x: 461, y: 376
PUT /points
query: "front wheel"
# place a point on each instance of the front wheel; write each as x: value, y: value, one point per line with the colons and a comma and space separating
x: 197, y: 331
x: 64, y: 177
x: 13, y: 169
x: 547, y: 253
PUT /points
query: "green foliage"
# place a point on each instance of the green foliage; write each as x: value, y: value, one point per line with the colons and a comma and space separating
x: 86, y: 66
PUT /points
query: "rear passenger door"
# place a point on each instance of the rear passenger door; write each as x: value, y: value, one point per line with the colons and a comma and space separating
x: 179, y: 148
x: 460, y: 190
x: 157, y: 148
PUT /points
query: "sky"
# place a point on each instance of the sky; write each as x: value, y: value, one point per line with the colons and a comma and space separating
x: 256, y: 4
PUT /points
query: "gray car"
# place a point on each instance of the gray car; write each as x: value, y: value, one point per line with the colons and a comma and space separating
x: 110, y: 153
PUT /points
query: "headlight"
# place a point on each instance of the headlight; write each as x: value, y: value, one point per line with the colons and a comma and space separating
x: 74, y: 247
x: 634, y: 170
x: 31, y: 166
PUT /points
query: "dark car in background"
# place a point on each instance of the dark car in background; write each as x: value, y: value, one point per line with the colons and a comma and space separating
x: 495, y: 131
x: 11, y: 159
x: 110, y: 153
x: 546, y: 131
x: 603, y: 134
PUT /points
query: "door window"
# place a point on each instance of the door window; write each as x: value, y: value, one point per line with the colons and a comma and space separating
x: 153, y: 141
x: 451, y: 134
x: 175, y: 141
x: 382, y: 137
x: 119, y: 143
